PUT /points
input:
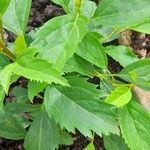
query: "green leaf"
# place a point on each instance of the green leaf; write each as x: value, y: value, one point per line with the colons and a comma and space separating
x: 137, y: 73
x: 21, y: 95
x: 3, y: 6
x: 119, y: 97
x: 58, y: 39
x: 122, y: 54
x: 4, y: 61
x: 10, y: 127
x: 89, y: 112
x: 16, y: 17
x: 34, y: 88
x: 91, y: 50
x: 5, y: 76
x: 79, y: 65
x: 122, y: 14
x: 134, y: 123
x: 43, y: 134
x: 114, y: 141
x: 39, y: 70
x: 2, y: 96
x: 21, y: 107
x: 20, y: 45
x: 63, y: 3
x: 144, y: 28
x: 90, y: 147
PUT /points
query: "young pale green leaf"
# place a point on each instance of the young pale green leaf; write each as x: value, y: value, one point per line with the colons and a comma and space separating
x: 137, y: 73
x: 20, y: 94
x: 11, y: 127
x: 5, y: 76
x: 122, y: 54
x: 43, y: 134
x: 79, y: 65
x: 122, y: 14
x: 3, y: 6
x: 39, y: 70
x: 144, y: 28
x: 63, y: 3
x: 120, y: 96
x: 34, y: 88
x: 90, y: 147
x: 134, y: 123
x: 16, y: 17
x: 115, y: 142
x: 20, y: 45
x: 89, y: 112
x: 58, y: 39
x: 2, y: 96
x: 91, y: 50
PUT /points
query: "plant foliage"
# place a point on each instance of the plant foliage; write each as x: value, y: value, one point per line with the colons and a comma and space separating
x: 57, y: 64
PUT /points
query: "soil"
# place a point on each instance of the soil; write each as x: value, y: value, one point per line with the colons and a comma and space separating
x: 42, y: 11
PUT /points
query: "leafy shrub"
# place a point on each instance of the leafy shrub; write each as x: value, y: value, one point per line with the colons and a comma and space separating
x: 58, y: 59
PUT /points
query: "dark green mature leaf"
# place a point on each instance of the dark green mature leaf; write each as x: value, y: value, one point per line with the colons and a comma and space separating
x: 39, y: 70
x: 120, y: 96
x: 115, y: 142
x: 43, y: 134
x: 134, y: 122
x: 58, y: 39
x: 11, y: 127
x: 21, y: 95
x: 122, y: 14
x: 89, y: 112
x: 80, y: 65
x: 122, y: 54
x: 137, y: 73
x: 16, y: 17
x: 91, y: 50
x: 4, y: 61
x: 3, y: 6
x: 22, y: 107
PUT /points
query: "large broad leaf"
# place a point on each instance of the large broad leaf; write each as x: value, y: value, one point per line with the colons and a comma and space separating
x: 78, y: 107
x: 11, y: 127
x: 58, y: 39
x: 91, y: 50
x: 134, y: 123
x: 39, y: 70
x: 79, y: 65
x: 43, y: 134
x: 90, y: 147
x: 16, y: 17
x: 120, y: 96
x: 122, y: 14
x: 3, y: 6
x: 115, y: 142
x: 122, y: 54
x: 137, y: 73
